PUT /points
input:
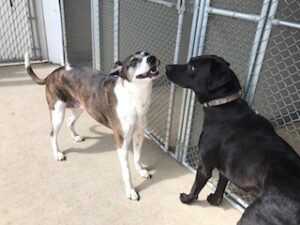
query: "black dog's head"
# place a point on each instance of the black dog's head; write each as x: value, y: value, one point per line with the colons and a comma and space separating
x: 209, y: 76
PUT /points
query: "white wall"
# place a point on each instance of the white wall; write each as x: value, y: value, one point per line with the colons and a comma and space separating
x: 53, y: 30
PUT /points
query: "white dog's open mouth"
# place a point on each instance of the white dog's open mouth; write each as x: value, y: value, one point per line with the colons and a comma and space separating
x: 153, y: 72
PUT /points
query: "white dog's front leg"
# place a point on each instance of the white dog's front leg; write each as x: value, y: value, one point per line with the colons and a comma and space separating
x: 138, y: 139
x: 123, y: 157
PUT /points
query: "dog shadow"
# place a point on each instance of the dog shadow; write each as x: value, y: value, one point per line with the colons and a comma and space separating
x: 105, y: 142
x: 156, y: 160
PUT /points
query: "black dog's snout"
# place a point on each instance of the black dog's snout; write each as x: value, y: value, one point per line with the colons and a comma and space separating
x: 151, y: 60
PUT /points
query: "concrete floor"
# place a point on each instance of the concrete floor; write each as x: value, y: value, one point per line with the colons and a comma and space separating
x: 86, y: 188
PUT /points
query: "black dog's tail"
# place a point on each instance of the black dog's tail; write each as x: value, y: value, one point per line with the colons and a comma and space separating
x: 33, y: 76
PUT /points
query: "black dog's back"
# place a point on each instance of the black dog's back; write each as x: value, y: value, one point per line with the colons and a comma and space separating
x: 255, y: 158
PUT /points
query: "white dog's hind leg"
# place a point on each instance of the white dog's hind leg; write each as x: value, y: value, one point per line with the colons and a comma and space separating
x: 57, y: 117
x: 138, y: 138
x: 74, y: 115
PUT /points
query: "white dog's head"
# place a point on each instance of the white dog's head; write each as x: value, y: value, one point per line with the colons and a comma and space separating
x: 140, y: 66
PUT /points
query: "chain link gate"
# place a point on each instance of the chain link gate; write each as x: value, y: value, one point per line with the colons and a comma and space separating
x: 18, y: 32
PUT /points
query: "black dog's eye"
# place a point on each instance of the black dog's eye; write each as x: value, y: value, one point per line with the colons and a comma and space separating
x: 191, y: 67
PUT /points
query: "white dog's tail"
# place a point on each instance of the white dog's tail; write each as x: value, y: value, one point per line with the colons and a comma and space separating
x: 33, y: 76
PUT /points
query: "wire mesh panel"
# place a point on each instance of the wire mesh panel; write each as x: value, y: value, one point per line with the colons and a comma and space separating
x: 16, y: 33
x: 233, y: 40
x: 152, y: 27
x: 277, y: 94
x: 77, y: 17
x: 228, y: 38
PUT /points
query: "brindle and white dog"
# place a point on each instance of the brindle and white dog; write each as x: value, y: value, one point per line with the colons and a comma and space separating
x: 119, y: 100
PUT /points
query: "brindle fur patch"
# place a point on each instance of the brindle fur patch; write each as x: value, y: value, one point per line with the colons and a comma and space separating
x: 93, y: 90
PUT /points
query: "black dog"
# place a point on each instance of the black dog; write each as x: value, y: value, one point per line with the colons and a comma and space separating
x: 242, y: 145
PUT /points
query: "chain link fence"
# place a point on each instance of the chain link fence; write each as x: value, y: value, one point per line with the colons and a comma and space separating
x: 277, y: 94
x: 239, y: 31
x: 251, y: 35
x: 141, y: 30
x: 17, y: 33
x: 77, y: 31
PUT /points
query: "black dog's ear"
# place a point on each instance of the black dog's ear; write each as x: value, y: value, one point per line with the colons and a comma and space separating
x: 220, y: 74
x: 221, y: 60
x: 117, y: 69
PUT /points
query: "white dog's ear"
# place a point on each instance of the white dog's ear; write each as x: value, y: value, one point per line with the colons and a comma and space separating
x: 117, y: 69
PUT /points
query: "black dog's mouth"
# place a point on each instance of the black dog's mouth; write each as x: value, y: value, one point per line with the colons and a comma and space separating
x: 153, y: 72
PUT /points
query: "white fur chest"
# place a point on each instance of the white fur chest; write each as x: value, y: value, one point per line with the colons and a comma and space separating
x: 133, y: 101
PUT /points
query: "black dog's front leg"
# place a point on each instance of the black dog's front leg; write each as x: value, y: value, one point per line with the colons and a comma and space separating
x: 216, y: 198
x: 200, y: 181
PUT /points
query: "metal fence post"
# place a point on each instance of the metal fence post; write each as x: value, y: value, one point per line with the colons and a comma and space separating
x: 116, y: 29
x: 34, y: 31
x: 95, y: 23
x: 63, y: 26
x: 181, y: 10
x: 257, y: 39
x: 253, y: 78
x: 198, y: 50
x: 181, y: 131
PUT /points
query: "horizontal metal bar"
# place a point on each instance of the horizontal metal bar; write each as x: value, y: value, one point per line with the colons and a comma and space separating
x: 285, y: 23
x: 21, y: 62
x: 155, y: 139
x: 237, y: 15
x: 161, y: 2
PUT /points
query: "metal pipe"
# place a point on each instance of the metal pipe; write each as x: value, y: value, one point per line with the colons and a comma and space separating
x: 261, y: 53
x: 232, y: 14
x: 285, y: 23
x: 200, y: 48
x: 197, y: 51
x: 63, y: 26
x: 116, y: 29
x: 199, y: 25
x: 184, y: 95
x: 181, y: 10
x: 161, y: 2
x: 34, y: 30
x: 256, y: 42
x: 95, y: 33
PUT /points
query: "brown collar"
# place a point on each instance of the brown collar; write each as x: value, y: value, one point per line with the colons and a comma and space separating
x: 222, y: 101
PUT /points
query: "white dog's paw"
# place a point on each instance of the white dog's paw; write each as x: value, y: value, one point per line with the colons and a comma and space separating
x: 145, y: 174
x: 132, y: 195
x: 78, y: 139
x: 59, y: 156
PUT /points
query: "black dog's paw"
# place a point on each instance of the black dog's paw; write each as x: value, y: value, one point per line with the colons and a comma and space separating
x: 214, y: 200
x: 187, y: 199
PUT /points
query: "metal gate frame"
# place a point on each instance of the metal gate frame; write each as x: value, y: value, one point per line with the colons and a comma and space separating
x: 35, y: 45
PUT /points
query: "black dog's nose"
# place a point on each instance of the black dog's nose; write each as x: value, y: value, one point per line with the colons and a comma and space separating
x: 151, y: 59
